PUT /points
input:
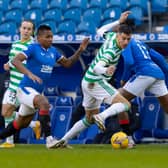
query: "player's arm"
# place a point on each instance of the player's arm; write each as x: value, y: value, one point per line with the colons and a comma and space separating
x: 159, y: 60
x: 68, y: 62
x: 101, y: 69
x: 6, y: 66
x: 107, y: 27
x: 17, y: 62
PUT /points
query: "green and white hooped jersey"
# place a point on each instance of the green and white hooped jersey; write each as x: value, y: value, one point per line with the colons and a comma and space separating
x: 15, y: 75
x: 109, y: 52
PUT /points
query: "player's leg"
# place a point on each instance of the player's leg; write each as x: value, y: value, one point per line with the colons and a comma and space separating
x: 91, y: 106
x: 159, y: 89
x: 41, y: 103
x: 123, y: 117
x: 8, y: 112
x: 36, y: 101
x: 34, y: 124
x: 111, y: 96
x: 134, y: 87
x: 21, y: 122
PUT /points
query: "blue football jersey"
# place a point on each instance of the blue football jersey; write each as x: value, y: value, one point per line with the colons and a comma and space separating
x: 137, y: 58
x: 40, y: 62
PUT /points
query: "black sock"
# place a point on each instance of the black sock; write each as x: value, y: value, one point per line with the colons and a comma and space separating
x: 126, y: 128
x: 8, y: 131
x: 45, y: 124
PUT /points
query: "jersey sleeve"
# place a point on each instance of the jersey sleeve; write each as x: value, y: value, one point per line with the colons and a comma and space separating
x: 159, y: 60
x: 28, y: 52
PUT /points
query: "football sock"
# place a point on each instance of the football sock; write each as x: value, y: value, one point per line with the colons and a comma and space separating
x: 78, y: 127
x: 113, y: 110
x: 9, y: 130
x: 7, y: 121
x: 44, y: 119
x: 125, y: 125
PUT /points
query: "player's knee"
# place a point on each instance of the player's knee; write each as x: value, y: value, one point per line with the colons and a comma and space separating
x: 44, y: 105
x: 7, y: 113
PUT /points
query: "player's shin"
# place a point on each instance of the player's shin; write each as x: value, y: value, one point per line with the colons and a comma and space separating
x: 9, y: 130
x: 44, y: 119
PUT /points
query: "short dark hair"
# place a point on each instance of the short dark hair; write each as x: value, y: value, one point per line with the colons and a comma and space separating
x: 42, y: 28
x: 127, y: 27
x: 124, y: 28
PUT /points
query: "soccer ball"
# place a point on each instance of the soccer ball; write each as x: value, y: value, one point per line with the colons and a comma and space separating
x: 119, y: 140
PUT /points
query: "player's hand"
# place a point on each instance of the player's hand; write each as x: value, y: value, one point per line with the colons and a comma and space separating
x: 84, y: 44
x: 34, y: 78
x: 124, y: 16
x: 6, y: 67
x: 110, y: 70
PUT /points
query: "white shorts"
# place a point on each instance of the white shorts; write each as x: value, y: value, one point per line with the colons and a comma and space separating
x: 10, y: 98
x: 26, y: 96
x: 138, y: 84
x: 96, y: 93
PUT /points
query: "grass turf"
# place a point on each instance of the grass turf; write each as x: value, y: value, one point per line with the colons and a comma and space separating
x: 85, y: 156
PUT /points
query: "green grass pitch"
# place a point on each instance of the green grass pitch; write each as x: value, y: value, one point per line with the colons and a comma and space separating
x: 85, y: 156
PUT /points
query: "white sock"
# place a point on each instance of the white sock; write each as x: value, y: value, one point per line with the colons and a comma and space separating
x: 78, y: 127
x: 32, y: 124
x: 113, y: 110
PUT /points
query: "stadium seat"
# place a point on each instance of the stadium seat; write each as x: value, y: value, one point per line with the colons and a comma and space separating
x: 98, y: 3
x: 151, y: 114
x: 19, y: 4
x: 1, y: 16
x: 61, y: 116
x: 112, y: 13
x: 60, y: 120
x: 52, y: 91
x: 78, y: 99
x: 61, y: 4
x: 26, y: 135
x: 78, y: 91
x: 73, y: 14
x: 39, y: 4
x: 8, y: 28
x: 141, y: 3
x: 91, y: 133
x: 123, y: 4
x: 4, y: 5
x: 64, y: 101
x: 104, y: 22
x: 54, y: 14
x: 159, y: 6
x: 165, y: 29
x: 50, y: 23
x: 136, y: 14
x: 93, y: 14
x: 52, y: 100
x: 66, y: 27
x: 86, y: 28
x: 34, y: 15
x: 83, y: 4
x: 14, y: 15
